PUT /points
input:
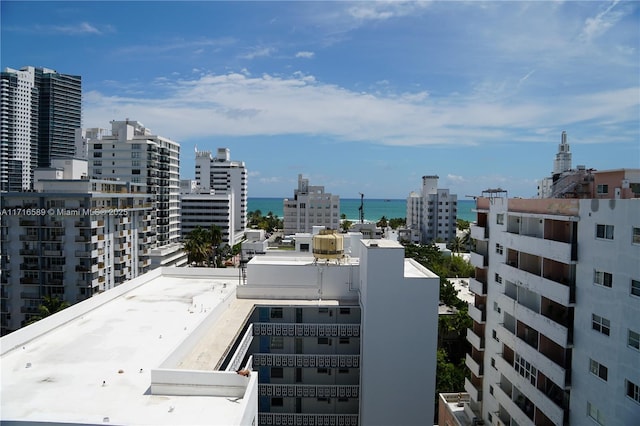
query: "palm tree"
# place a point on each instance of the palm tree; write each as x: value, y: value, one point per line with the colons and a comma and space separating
x: 198, y: 246
x: 382, y: 223
x: 456, y: 245
x: 48, y: 306
x: 215, y: 236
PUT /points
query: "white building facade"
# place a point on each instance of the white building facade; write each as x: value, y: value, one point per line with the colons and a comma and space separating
x: 207, y: 209
x: 222, y: 176
x: 310, y: 206
x: 131, y: 153
x: 73, y: 238
x: 557, y: 298
x: 432, y: 213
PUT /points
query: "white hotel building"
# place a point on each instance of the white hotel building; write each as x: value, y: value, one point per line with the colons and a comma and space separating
x: 221, y: 176
x: 556, y: 331
x: 431, y: 214
x: 328, y: 342
x: 309, y: 207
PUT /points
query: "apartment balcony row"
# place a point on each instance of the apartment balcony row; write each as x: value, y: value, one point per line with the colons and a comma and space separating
x: 478, y: 260
x: 557, y: 250
x: 306, y: 361
x: 550, y: 368
x: 306, y: 330
x: 562, y: 291
x: 478, y: 313
x: 541, y: 401
x: 309, y: 391
x: 288, y: 419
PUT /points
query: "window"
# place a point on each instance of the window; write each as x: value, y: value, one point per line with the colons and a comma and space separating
x: 604, y: 279
x: 525, y: 369
x: 277, y: 402
x: 276, y: 312
x: 323, y: 340
x: 499, y: 248
x: 595, y: 414
x: 345, y: 311
x: 494, y: 335
x: 493, y: 363
x: 498, y: 279
x: 633, y: 340
x: 496, y: 307
x: 277, y: 342
x: 635, y: 287
x: 603, y: 189
x: 633, y: 391
x: 344, y: 340
x: 636, y: 236
x: 600, y: 324
x: 500, y: 219
x: 277, y: 372
x: 598, y: 369
x: 604, y: 231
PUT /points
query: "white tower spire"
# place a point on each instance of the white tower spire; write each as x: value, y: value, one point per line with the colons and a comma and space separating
x: 562, y: 163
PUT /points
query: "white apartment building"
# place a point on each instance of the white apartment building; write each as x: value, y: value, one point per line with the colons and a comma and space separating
x: 431, y: 214
x: 309, y: 207
x: 338, y: 342
x: 71, y: 238
x: 131, y: 153
x: 557, y: 301
x: 222, y: 176
x: 205, y: 209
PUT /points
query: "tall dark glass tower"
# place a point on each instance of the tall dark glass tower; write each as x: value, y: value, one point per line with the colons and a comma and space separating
x: 40, y: 110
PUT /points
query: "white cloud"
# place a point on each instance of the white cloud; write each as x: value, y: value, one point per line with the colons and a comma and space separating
x: 258, y: 52
x: 305, y: 54
x: 598, y: 25
x: 239, y: 105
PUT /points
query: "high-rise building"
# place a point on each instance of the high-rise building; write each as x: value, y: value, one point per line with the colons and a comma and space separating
x: 40, y: 110
x: 204, y: 209
x: 309, y: 207
x: 133, y: 154
x: 70, y: 238
x: 549, y: 187
x: 432, y: 213
x: 554, y: 339
x: 225, y: 177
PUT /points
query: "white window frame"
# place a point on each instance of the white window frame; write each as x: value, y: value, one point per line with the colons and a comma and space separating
x: 604, y: 232
x: 601, y: 324
x: 633, y: 339
x: 602, y: 278
x: 598, y: 370
x: 595, y: 414
x: 525, y: 369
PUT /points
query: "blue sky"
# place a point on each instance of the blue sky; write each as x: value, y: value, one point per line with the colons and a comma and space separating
x: 358, y: 96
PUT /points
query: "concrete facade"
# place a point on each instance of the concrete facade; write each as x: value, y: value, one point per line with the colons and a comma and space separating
x: 431, y: 214
x: 555, y: 313
x: 310, y: 206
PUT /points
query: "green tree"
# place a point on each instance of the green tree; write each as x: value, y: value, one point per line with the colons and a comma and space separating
x: 463, y: 224
x: 48, y: 306
x: 215, y: 238
x: 455, y: 245
x: 383, y: 222
x: 397, y: 222
x: 345, y: 225
x: 198, y: 246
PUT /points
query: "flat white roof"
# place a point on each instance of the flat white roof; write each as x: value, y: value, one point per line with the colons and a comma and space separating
x: 59, y: 376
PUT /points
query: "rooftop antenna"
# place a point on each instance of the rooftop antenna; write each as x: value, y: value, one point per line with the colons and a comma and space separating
x: 361, y: 208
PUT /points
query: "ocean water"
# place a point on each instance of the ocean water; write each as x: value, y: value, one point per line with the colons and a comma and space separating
x: 374, y: 209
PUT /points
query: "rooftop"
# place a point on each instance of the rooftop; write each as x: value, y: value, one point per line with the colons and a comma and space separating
x: 102, y: 354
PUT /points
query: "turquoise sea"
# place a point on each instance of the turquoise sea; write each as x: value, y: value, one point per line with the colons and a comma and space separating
x: 374, y: 209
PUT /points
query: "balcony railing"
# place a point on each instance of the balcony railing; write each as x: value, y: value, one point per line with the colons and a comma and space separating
x: 306, y: 330
x: 306, y: 361
x: 309, y: 391
x: 287, y: 419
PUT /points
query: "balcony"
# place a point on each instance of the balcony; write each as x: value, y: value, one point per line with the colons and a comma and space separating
x: 504, y: 398
x: 479, y: 233
x: 539, y: 399
x: 477, y: 314
x: 29, y: 267
x: 29, y: 280
x: 29, y: 295
x: 309, y: 391
x: 54, y: 253
x: 478, y: 260
x: 476, y: 367
x: 474, y: 392
x: 28, y: 238
x: 478, y: 287
x: 475, y: 340
x: 551, y: 249
x: 558, y: 292
x: 29, y: 252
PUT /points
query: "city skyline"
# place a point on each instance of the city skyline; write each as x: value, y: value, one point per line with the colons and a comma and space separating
x: 359, y: 97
